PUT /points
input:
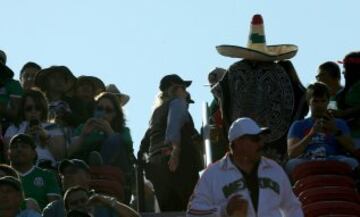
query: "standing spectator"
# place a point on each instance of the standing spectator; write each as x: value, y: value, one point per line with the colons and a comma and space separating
x: 11, y: 198
x: 28, y: 74
x: 173, y: 163
x: 349, y: 98
x: 37, y: 183
x: 243, y: 183
x: 320, y: 136
x: 106, y: 133
x: 33, y: 120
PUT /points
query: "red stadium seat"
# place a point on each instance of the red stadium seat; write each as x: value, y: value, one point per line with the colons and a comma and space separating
x: 331, y: 208
x: 328, y: 194
x: 322, y: 181
x: 320, y: 167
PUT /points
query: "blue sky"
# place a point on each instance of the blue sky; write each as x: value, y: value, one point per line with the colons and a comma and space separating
x: 134, y: 43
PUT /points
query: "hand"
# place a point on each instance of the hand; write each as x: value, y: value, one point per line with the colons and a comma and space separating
x: 174, y: 159
x: 88, y: 127
x: 329, y: 123
x: 40, y: 133
x: 103, y: 125
x: 237, y: 206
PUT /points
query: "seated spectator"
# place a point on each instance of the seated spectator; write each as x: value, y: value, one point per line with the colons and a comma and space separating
x: 83, y: 104
x: 10, y: 93
x: 11, y: 199
x: 28, y: 74
x: 29, y: 203
x: 73, y: 173
x: 80, y: 199
x: 348, y: 99
x: 32, y: 119
x: 37, y: 183
x: 244, y: 183
x: 56, y: 82
x: 107, y: 133
x: 320, y: 136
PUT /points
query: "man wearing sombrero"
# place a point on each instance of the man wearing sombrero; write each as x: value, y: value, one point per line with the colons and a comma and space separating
x: 263, y: 86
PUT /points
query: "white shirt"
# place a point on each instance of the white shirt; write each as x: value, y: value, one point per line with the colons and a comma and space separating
x: 222, y: 180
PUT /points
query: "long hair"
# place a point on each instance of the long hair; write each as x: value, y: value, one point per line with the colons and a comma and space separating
x: 165, y: 96
x: 118, y: 123
x: 39, y: 99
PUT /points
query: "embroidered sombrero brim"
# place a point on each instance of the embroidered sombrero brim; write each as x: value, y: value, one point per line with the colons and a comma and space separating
x: 274, y: 52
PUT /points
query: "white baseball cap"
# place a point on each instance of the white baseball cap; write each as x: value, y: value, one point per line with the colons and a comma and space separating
x: 245, y: 126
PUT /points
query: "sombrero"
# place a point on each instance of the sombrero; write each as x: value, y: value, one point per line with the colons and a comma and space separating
x: 122, y: 97
x: 98, y: 85
x: 257, y: 48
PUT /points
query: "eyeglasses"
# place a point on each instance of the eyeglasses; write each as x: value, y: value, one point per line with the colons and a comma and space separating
x: 107, y: 110
x: 31, y: 108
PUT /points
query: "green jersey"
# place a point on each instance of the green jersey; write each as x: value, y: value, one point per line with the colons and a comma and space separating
x: 39, y: 184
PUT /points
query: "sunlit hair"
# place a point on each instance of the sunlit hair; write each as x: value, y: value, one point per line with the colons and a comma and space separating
x: 118, y: 123
x: 165, y: 96
x: 8, y: 171
x: 39, y: 99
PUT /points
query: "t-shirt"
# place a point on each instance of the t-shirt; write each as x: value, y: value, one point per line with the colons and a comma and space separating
x: 322, y: 144
x: 39, y: 184
x: 28, y: 213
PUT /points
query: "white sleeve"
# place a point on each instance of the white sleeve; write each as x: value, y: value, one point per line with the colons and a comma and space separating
x: 202, y: 202
x: 290, y: 204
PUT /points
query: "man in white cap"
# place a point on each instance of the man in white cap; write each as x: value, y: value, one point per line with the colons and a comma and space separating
x: 244, y: 183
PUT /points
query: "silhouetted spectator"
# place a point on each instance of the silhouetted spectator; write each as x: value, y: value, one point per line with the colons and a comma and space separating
x: 83, y: 104
x: 106, y: 133
x: 28, y: 74
x: 349, y: 98
x: 56, y: 82
x: 173, y: 159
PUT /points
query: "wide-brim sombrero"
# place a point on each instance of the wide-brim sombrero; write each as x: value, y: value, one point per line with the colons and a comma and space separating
x: 257, y: 49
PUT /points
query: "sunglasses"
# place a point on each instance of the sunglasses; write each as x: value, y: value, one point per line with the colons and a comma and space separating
x: 31, y: 108
x: 107, y: 110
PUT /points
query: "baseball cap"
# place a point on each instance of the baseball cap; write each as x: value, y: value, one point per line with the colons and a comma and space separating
x: 11, y: 181
x: 74, y: 163
x: 245, y: 126
x: 171, y: 79
x: 23, y: 138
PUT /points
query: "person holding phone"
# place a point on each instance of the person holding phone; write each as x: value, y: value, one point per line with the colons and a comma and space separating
x: 106, y: 133
x: 33, y: 120
x: 321, y: 136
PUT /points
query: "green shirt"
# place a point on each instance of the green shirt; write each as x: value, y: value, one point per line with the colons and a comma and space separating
x: 39, y: 184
